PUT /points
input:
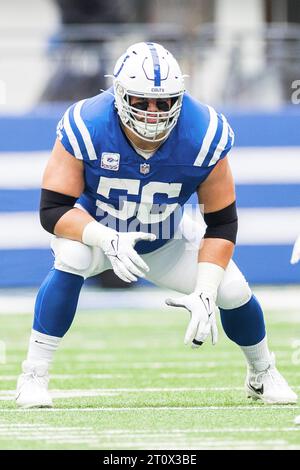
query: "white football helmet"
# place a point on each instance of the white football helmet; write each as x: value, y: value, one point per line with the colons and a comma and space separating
x: 148, y: 70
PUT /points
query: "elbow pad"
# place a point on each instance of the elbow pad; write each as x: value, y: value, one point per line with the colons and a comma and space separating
x: 53, y: 206
x: 222, y: 223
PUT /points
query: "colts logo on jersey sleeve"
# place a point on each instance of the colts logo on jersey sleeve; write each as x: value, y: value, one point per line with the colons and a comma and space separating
x: 110, y: 161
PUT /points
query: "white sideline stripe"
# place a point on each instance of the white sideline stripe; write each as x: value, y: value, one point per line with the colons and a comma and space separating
x: 71, y: 136
x: 210, y: 133
x: 250, y: 165
x: 84, y: 131
x: 257, y: 227
x: 261, y: 407
x: 284, y: 301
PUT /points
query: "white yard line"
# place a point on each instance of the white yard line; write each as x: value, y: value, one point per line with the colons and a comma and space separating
x: 156, y: 365
x: 57, y: 393
x: 211, y: 444
x: 134, y: 390
x: 136, y: 444
x: 155, y: 442
x: 7, y: 395
x: 120, y: 433
x: 95, y: 358
x: 114, y: 438
x: 261, y: 407
x: 13, y: 378
x: 9, y: 378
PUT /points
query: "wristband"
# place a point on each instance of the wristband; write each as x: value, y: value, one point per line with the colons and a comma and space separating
x: 94, y: 233
x: 209, y: 278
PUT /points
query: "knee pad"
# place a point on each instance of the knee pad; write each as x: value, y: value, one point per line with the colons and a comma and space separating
x: 233, y: 294
x: 71, y: 256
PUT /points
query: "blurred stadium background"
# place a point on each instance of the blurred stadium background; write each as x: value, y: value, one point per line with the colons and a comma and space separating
x: 242, y: 57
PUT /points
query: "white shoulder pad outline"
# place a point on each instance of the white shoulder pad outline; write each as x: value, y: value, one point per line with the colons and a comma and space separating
x: 82, y: 129
x: 71, y: 136
x: 222, y: 143
x: 209, y: 137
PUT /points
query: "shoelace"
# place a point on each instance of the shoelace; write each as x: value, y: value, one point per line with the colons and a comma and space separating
x: 41, y: 380
x: 274, y: 376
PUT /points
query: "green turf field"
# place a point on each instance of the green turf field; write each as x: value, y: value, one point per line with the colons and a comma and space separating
x: 124, y: 380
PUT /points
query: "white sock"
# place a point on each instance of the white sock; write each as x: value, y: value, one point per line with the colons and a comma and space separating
x: 258, y: 356
x: 42, y: 347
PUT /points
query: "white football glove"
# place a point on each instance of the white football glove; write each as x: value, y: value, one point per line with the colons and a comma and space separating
x: 119, y: 248
x: 125, y: 261
x: 296, y: 252
x: 203, y: 321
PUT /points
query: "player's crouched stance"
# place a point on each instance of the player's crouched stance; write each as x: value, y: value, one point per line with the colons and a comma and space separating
x: 134, y: 155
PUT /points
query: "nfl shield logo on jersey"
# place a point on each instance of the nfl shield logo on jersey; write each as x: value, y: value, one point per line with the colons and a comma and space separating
x: 144, y: 168
x: 110, y: 161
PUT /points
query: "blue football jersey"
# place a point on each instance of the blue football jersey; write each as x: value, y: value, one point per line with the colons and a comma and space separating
x: 127, y: 192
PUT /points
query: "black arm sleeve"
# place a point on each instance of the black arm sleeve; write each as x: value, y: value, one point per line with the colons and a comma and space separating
x: 53, y: 206
x: 222, y: 223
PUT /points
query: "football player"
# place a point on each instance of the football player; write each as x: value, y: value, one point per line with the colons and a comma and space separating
x: 124, y: 164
